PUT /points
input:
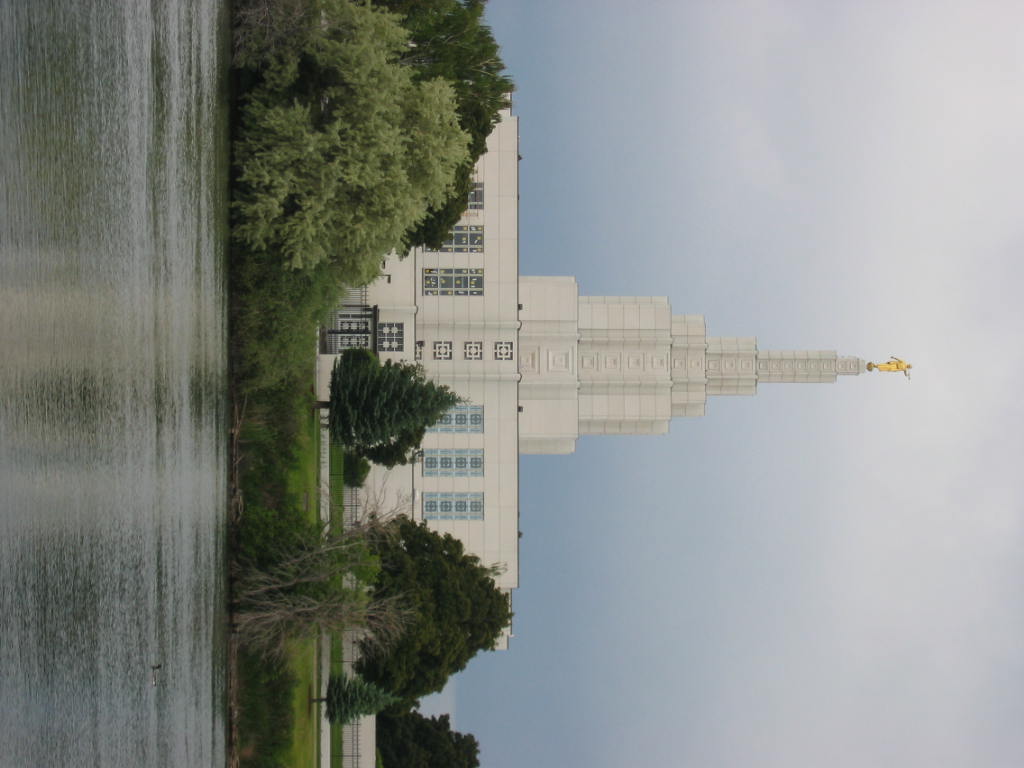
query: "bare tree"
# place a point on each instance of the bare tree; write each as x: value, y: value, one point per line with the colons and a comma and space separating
x: 311, y: 587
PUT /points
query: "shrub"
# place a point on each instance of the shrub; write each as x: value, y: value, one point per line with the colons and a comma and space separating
x: 265, y: 721
x: 356, y: 469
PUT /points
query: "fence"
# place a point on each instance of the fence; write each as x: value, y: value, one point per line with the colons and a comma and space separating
x: 342, y: 506
x: 352, y: 324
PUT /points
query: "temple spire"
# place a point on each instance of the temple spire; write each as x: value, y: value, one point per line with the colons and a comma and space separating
x: 628, y: 365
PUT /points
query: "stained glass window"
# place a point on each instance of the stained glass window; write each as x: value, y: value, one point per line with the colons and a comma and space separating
x: 446, y: 281
x: 476, y: 196
x: 461, y: 418
x: 453, y: 506
x: 465, y: 238
x: 453, y: 462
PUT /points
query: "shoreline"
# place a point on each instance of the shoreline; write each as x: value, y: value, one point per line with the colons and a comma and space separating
x: 234, y: 512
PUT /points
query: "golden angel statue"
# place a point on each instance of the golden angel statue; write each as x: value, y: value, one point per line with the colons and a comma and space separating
x: 893, y: 364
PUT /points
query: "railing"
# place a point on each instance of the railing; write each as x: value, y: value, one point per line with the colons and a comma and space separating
x: 354, y: 297
x: 345, y: 508
x: 351, y: 506
x: 353, y: 324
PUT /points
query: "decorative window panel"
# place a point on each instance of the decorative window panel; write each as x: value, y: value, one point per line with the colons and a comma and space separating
x: 337, y: 342
x: 454, y: 462
x: 349, y: 328
x: 391, y: 337
x: 473, y: 350
x: 465, y: 238
x: 442, y: 350
x: 461, y: 418
x: 453, y: 506
x: 503, y: 350
x: 476, y: 196
x: 446, y: 281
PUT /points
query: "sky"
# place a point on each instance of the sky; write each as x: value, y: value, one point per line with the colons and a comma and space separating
x: 821, y: 574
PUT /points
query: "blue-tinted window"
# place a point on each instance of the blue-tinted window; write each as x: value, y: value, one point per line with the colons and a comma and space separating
x: 461, y: 418
x: 453, y: 462
x: 453, y: 506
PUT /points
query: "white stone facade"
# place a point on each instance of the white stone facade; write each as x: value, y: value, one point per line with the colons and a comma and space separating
x: 538, y: 365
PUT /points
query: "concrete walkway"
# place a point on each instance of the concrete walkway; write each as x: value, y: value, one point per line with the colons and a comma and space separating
x: 360, y: 738
x: 325, y: 639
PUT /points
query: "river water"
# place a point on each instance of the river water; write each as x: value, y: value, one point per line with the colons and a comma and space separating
x: 113, y: 182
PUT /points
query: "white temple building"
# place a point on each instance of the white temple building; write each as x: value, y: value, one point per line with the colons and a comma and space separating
x: 538, y: 364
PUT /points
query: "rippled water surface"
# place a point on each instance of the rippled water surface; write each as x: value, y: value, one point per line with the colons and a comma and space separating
x: 112, y: 378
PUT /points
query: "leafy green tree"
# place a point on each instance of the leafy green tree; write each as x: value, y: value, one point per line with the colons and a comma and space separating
x: 341, y: 150
x: 351, y: 697
x: 411, y: 740
x: 450, y: 40
x: 457, y: 610
x: 381, y: 411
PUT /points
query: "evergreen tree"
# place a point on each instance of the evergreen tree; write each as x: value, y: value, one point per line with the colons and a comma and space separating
x: 411, y: 740
x: 457, y: 609
x: 381, y: 411
x: 351, y: 697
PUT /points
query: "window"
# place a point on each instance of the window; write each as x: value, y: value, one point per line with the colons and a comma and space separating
x: 445, y: 462
x: 464, y: 238
x: 446, y: 281
x: 476, y: 196
x: 503, y: 350
x: 473, y: 350
x: 453, y: 506
x: 391, y: 337
x: 442, y: 350
x: 461, y: 418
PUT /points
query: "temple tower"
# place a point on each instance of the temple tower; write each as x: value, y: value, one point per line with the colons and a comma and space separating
x: 627, y: 365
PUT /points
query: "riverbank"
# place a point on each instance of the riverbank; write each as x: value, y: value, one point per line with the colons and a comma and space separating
x: 268, y: 698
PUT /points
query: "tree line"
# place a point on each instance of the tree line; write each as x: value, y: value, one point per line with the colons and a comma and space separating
x: 424, y: 605
x: 356, y: 127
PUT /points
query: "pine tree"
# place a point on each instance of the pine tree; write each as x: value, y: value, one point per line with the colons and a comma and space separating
x: 382, y: 411
x: 351, y: 697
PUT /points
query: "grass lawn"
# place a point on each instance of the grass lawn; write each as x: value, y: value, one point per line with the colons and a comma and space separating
x: 303, y: 484
x: 337, y: 464
x: 304, y: 478
x: 302, y: 662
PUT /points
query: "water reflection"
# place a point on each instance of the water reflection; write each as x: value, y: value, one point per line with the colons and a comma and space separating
x: 112, y: 341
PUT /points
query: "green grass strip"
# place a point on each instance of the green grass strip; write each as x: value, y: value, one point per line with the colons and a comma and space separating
x: 303, y: 482
x: 337, y: 472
